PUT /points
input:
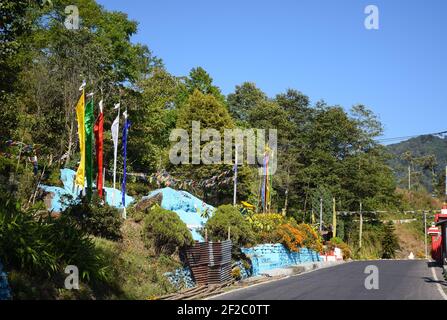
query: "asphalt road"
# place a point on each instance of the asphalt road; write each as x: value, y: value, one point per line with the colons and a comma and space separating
x: 398, y: 280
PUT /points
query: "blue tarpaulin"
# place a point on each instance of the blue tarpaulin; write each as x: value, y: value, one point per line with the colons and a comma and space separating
x: 192, y: 211
x: 63, y: 196
x: 5, y: 290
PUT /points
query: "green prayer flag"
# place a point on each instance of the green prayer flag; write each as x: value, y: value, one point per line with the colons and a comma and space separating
x: 89, y: 122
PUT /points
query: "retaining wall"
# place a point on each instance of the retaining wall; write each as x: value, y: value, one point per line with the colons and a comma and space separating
x: 271, y: 256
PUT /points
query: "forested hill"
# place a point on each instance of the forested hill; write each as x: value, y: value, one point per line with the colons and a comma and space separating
x: 426, y: 154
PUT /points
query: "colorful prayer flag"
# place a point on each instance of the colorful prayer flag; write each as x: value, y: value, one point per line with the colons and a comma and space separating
x: 80, y: 114
x: 125, y: 131
x: 115, y: 134
x: 89, y: 120
x: 99, y: 133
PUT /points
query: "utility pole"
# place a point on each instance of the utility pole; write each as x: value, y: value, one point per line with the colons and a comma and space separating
x: 425, y: 234
x: 334, y: 219
x: 361, y: 226
x: 321, y: 214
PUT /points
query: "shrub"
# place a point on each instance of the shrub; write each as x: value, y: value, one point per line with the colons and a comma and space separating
x: 267, y: 222
x: 312, y: 240
x: 291, y: 237
x: 97, y: 219
x: 229, y: 216
x: 45, y: 246
x: 338, y: 243
x: 54, y: 178
x: 164, y: 230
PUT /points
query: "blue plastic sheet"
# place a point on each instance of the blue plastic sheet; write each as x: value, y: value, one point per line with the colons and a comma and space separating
x: 5, y: 290
x: 181, y: 278
x: 193, y: 211
x: 69, y: 193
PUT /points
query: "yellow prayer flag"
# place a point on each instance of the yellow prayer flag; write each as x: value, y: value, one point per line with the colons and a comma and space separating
x: 80, y: 111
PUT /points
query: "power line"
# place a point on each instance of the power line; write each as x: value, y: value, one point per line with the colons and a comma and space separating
x: 409, y: 137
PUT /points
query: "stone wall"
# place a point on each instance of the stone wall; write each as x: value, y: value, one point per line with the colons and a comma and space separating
x: 272, y: 256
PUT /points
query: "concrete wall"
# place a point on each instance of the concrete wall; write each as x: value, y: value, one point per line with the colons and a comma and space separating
x: 271, y: 256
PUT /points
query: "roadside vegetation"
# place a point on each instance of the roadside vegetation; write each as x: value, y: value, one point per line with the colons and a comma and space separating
x: 325, y: 152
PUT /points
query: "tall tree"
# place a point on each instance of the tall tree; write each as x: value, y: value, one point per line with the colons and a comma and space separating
x: 200, y: 80
x: 245, y: 97
x: 211, y: 114
x: 154, y: 117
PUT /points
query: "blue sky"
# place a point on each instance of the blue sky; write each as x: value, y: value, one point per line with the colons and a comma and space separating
x: 318, y: 47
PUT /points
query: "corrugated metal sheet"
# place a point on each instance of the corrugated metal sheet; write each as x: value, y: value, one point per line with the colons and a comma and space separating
x: 210, y: 262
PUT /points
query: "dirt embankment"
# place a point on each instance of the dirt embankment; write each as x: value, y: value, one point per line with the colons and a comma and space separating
x: 410, y: 240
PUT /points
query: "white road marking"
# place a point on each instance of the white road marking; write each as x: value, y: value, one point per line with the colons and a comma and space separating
x: 438, y: 285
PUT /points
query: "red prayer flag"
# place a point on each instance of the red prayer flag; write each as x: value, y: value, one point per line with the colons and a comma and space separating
x: 99, y: 129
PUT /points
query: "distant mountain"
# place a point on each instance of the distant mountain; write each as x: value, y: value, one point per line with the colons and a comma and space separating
x: 419, y: 147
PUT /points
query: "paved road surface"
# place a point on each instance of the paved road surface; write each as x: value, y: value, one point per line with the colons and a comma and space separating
x: 398, y: 280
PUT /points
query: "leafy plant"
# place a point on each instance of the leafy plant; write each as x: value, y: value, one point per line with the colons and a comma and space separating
x: 291, y: 237
x: 338, y: 243
x: 265, y: 222
x: 311, y: 238
x: 97, y: 219
x: 165, y: 231
x: 44, y: 245
x: 228, y: 216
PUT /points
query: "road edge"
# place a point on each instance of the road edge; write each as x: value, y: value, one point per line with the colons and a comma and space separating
x: 282, y: 278
x: 438, y: 285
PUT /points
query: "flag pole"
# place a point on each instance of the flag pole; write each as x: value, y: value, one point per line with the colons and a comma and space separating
x: 115, y: 155
x: 125, y: 138
x: 235, y: 177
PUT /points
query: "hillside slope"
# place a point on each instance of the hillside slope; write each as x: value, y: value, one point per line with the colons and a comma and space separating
x: 411, y: 239
x: 419, y: 147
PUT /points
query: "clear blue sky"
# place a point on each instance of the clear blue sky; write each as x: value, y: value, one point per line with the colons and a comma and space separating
x: 318, y: 47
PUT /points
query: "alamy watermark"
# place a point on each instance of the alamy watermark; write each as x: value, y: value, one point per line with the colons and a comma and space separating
x: 372, y: 280
x: 204, y: 146
x: 372, y: 20
x: 72, y: 280
x: 71, y: 21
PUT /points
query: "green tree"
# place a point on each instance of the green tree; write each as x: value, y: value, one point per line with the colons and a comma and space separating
x: 245, y: 97
x: 56, y: 60
x: 211, y: 114
x: 228, y: 218
x: 200, y: 80
x: 389, y: 242
x: 154, y: 117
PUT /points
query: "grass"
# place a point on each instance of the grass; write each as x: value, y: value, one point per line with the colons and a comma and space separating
x: 134, y: 273
x: 135, y: 269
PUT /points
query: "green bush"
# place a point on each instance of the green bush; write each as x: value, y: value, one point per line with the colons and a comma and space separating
x: 164, y: 230
x: 266, y: 222
x: 42, y: 245
x: 229, y: 216
x: 97, y: 219
x: 338, y: 243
